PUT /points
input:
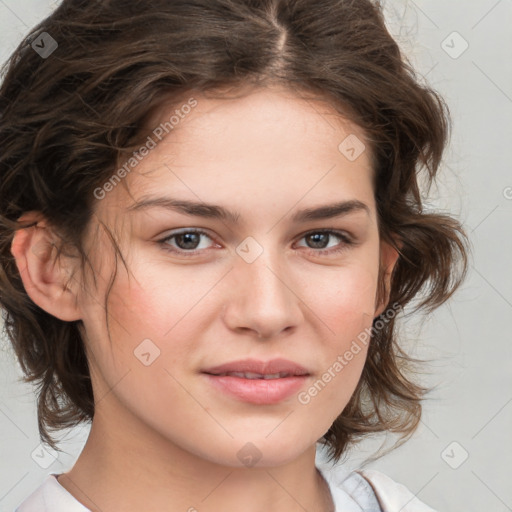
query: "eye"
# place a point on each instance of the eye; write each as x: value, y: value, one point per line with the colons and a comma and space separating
x: 188, y: 242
x: 320, y: 238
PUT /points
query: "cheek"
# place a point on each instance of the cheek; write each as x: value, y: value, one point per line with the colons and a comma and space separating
x: 130, y: 355
x: 347, y: 305
x: 151, y: 320
x: 346, y: 299
x: 150, y: 302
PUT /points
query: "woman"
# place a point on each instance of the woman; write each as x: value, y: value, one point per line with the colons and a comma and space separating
x: 211, y: 219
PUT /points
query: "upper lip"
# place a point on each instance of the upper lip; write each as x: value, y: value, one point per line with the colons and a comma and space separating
x: 262, y: 367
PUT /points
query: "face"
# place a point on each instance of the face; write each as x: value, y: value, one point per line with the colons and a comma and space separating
x: 271, y: 280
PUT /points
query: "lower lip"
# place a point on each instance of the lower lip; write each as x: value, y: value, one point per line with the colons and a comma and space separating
x: 258, y: 391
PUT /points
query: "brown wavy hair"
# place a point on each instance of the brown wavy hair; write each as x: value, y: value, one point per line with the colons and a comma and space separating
x: 67, y: 119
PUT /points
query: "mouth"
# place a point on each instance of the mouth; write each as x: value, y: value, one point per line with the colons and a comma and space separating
x: 258, y: 382
x: 252, y: 376
x: 255, y: 369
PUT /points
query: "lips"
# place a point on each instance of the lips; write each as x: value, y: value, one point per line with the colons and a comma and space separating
x: 253, y: 369
x: 258, y: 382
x: 251, y: 375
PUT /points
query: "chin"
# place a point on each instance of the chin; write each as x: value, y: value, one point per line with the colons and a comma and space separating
x: 258, y: 451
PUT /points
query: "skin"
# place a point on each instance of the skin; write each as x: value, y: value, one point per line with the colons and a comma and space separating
x: 162, y: 438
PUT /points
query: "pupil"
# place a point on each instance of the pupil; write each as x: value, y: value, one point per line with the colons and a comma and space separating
x: 316, y: 238
x: 187, y: 237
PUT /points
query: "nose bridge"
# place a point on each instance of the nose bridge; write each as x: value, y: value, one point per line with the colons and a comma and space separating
x: 264, y: 272
x: 263, y: 299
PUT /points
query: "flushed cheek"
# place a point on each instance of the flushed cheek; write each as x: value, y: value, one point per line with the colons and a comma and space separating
x: 343, y: 362
x: 152, y: 302
x: 328, y: 393
x: 348, y: 311
x: 162, y: 293
x: 155, y: 328
x: 345, y: 301
x: 143, y: 369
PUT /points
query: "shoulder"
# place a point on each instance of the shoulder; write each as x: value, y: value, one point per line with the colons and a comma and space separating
x: 391, y: 494
x: 369, y: 491
x: 50, y: 496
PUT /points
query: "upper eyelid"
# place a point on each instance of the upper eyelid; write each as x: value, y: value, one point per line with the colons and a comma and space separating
x: 200, y: 231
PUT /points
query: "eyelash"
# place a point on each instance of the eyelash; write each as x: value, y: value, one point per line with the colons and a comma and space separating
x: 346, y: 241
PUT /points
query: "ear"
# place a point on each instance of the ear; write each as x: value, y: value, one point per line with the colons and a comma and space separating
x: 45, y: 276
x: 388, y: 258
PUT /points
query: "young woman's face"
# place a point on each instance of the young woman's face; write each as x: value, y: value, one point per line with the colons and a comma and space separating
x: 282, y: 278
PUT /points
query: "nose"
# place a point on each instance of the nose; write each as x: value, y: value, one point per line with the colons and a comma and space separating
x: 263, y: 299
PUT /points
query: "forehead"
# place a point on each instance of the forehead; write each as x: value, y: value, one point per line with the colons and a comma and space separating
x: 273, y: 118
x: 269, y: 145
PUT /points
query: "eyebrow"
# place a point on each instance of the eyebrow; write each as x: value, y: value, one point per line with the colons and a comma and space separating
x: 212, y: 211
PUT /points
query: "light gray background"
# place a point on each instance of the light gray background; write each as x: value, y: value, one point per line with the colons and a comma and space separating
x: 469, y: 339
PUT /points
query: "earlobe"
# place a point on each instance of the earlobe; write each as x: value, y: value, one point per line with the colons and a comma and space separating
x: 45, y: 278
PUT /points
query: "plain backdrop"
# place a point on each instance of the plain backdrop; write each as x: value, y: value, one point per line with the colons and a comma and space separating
x: 460, y: 456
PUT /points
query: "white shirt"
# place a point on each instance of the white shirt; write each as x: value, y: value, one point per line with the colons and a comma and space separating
x: 359, y: 491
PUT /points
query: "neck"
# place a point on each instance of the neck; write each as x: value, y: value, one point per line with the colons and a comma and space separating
x: 136, y: 469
